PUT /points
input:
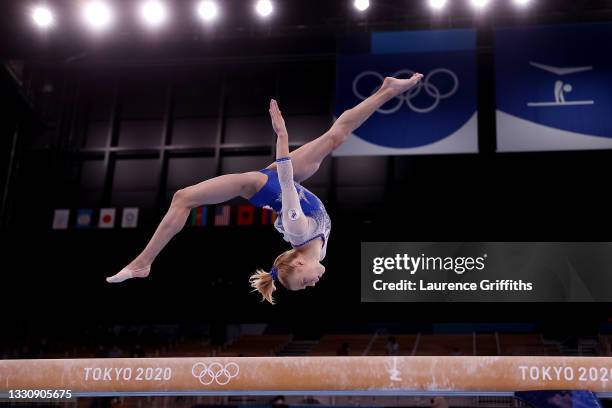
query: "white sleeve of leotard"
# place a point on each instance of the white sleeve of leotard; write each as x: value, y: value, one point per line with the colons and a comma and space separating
x: 294, y: 220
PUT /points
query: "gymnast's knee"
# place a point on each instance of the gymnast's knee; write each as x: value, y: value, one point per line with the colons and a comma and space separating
x: 346, y: 118
x: 180, y: 197
x: 338, y: 135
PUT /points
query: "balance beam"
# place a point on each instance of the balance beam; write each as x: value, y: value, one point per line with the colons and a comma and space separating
x: 308, y: 375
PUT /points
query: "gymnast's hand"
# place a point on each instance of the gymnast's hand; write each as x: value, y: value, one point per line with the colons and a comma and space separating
x: 278, y: 123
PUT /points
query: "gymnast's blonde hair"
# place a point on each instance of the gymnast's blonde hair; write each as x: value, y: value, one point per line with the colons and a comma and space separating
x: 263, y: 282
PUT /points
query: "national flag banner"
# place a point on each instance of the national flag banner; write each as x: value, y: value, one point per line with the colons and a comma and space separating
x: 246, y: 214
x: 203, y: 215
x: 198, y: 216
x: 268, y: 216
x: 107, y: 218
x: 84, y: 218
x: 60, y: 219
x: 192, y: 217
x: 222, y: 215
x: 129, y: 218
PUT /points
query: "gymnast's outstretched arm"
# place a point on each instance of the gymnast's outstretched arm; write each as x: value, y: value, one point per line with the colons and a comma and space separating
x: 294, y: 220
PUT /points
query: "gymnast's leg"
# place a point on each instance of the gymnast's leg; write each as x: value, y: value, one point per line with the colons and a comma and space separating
x: 353, y: 118
x: 212, y: 191
x: 307, y: 158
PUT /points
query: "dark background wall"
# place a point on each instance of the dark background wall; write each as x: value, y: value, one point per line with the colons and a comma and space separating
x: 128, y: 125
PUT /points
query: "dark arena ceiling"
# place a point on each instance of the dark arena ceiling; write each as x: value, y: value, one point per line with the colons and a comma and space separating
x: 295, y: 26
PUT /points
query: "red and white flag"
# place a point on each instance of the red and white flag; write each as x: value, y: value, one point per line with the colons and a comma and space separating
x: 107, y: 218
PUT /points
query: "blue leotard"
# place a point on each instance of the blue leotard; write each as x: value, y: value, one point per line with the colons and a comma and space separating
x: 270, y: 196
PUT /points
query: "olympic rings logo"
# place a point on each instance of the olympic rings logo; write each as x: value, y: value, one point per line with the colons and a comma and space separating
x: 215, y: 372
x: 407, y: 97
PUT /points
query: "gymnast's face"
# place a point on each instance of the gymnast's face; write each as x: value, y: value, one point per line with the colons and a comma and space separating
x: 306, y: 273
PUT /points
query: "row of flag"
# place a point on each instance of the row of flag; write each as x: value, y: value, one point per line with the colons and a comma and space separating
x: 84, y: 218
x: 244, y: 214
x: 222, y: 215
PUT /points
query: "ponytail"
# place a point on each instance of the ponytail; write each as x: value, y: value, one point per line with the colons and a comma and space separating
x: 263, y: 281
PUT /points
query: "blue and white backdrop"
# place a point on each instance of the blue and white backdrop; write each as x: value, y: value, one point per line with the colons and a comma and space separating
x: 554, y: 87
x: 439, y: 116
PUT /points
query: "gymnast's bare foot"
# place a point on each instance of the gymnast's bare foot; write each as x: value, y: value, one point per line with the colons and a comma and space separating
x: 136, y: 269
x: 401, y: 85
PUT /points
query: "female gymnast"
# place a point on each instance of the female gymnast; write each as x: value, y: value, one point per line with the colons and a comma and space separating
x: 302, y: 219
